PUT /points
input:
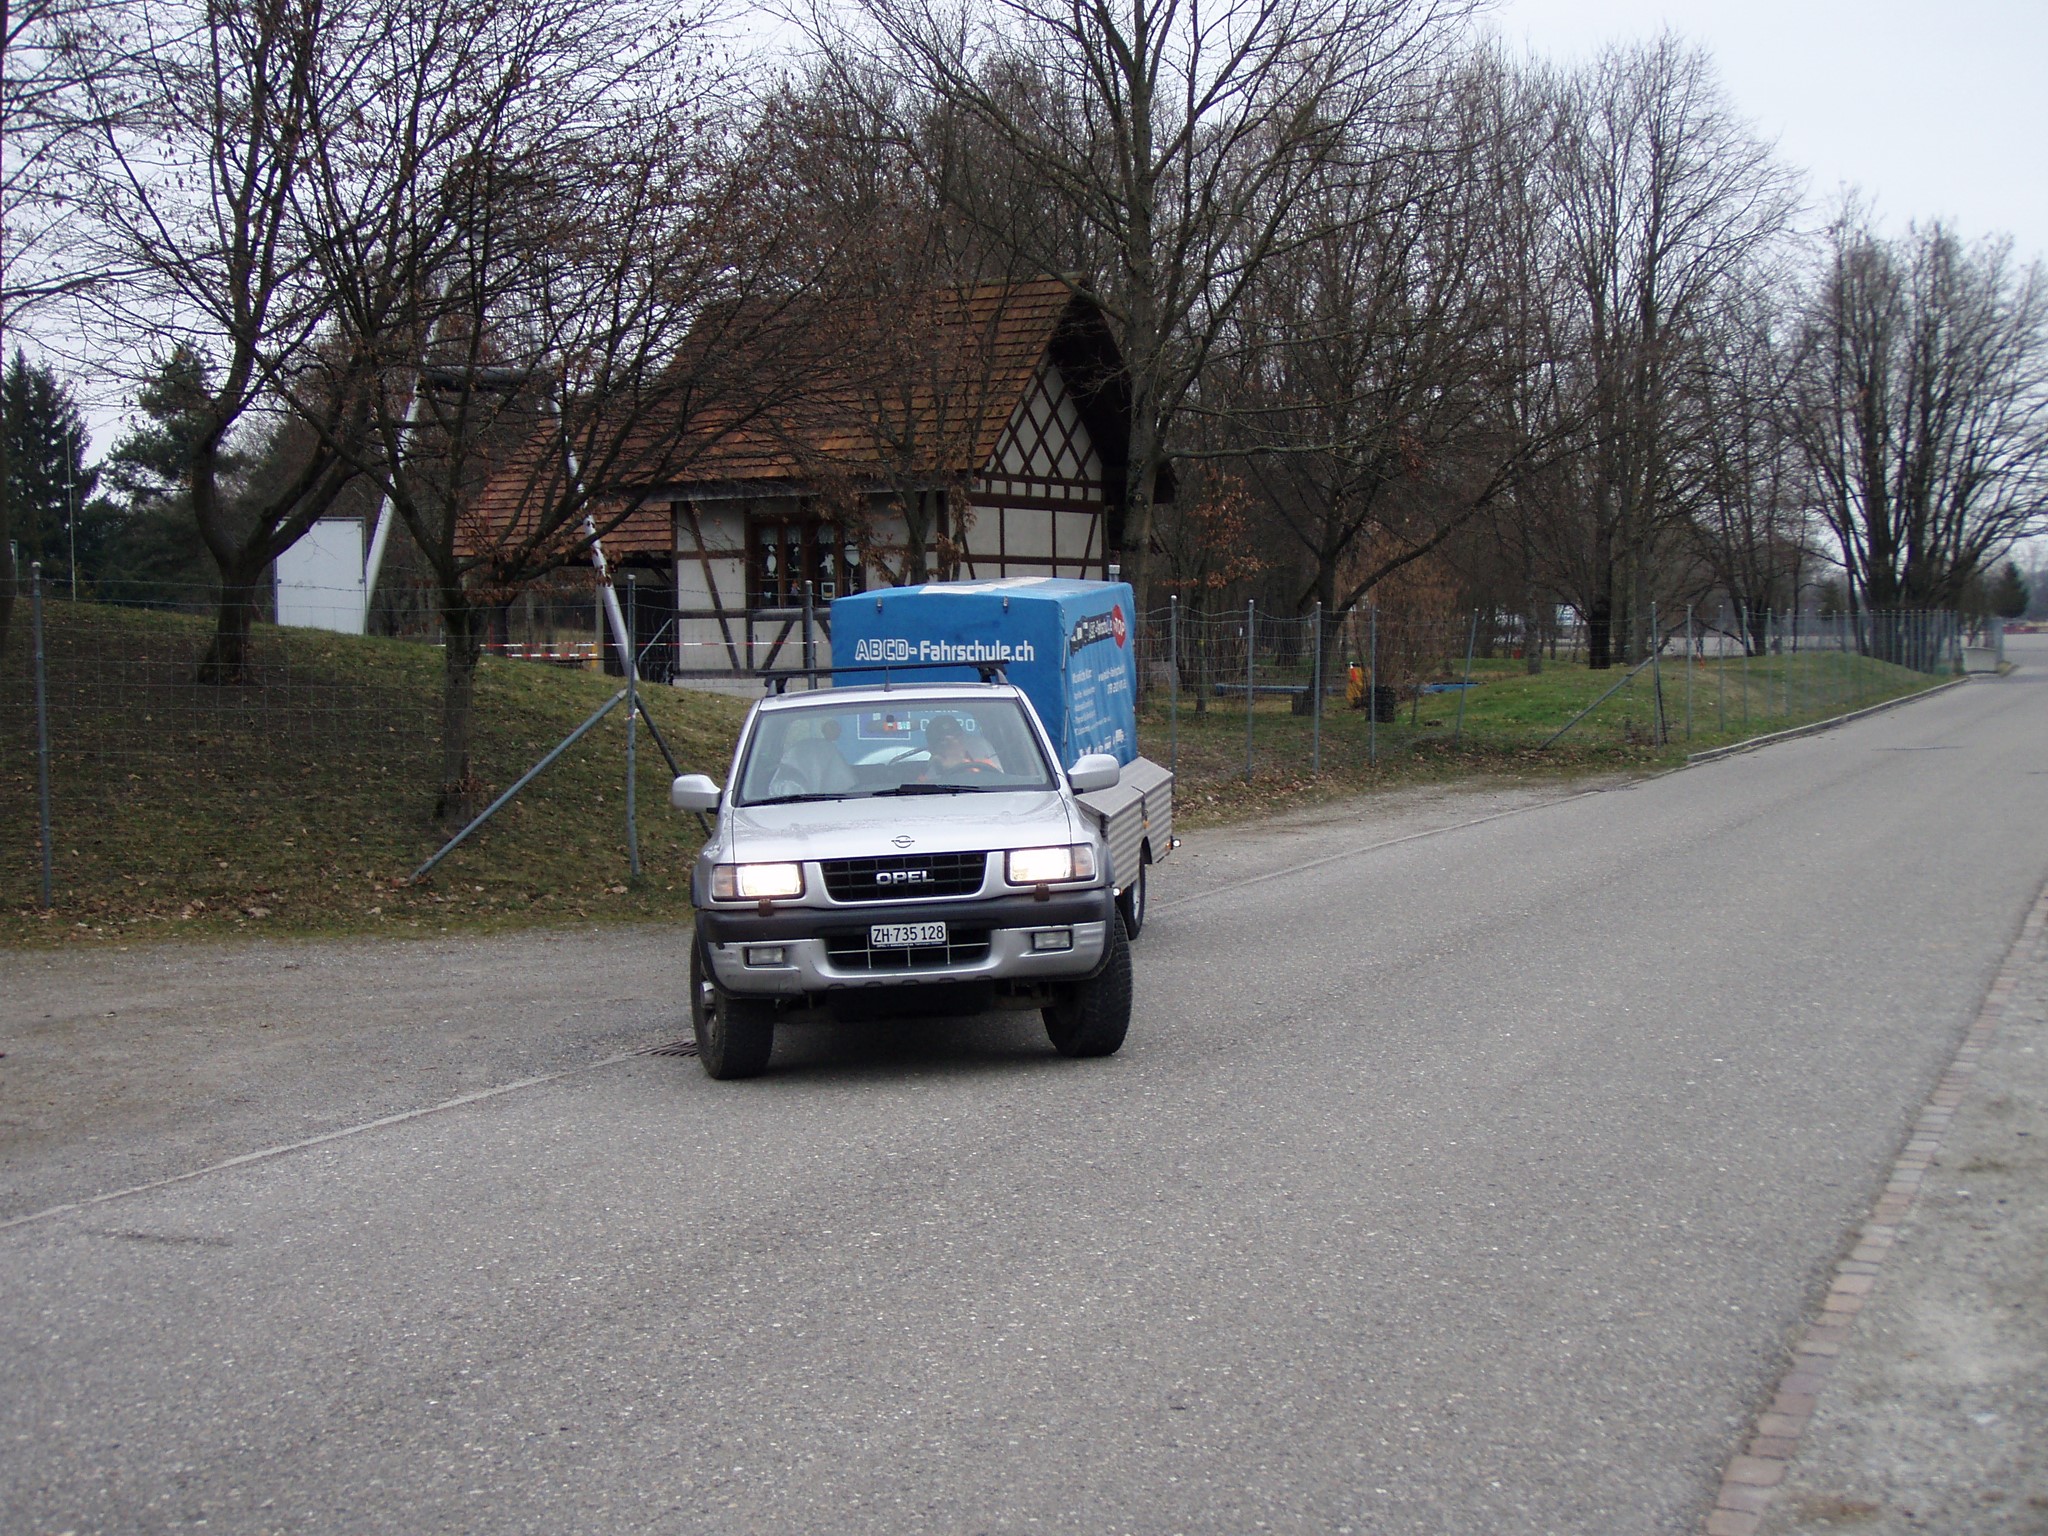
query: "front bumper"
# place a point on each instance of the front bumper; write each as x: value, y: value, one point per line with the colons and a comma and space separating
x: 825, y: 948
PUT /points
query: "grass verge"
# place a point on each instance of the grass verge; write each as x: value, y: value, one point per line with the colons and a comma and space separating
x: 1230, y: 766
x: 301, y: 801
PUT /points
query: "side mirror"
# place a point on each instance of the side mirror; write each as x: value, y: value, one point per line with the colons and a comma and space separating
x: 1098, y: 770
x: 693, y: 792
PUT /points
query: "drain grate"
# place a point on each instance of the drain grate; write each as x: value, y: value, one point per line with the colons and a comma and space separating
x: 673, y: 1048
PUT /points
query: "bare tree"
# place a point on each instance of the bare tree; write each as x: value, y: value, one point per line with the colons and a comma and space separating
x: 1169, y: 142
x: 915, y: 303
x: 1752, y: 525
x: 1373, y: 378
x: 196, y: 199
x: 1923, y: 408
x: 1664, y: 200
x: 49, y: 50
x: 552, y: 234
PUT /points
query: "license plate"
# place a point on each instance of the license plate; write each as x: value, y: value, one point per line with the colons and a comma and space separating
x: 904, y: 935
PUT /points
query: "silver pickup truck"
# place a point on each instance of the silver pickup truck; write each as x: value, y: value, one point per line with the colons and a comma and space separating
x: 907, y: 848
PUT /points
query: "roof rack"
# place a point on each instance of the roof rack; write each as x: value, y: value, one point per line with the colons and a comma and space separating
x: 777, y: 682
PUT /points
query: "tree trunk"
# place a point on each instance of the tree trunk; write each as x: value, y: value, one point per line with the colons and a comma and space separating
x: 226, y: 661
x: 1600, y: 634
x: 463, y: 626
x: 1141, y: 475
x: 917, y: 531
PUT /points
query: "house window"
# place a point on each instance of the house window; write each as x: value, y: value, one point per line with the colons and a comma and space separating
x: 785, y: 552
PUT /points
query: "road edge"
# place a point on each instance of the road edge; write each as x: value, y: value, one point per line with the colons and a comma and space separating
x: 1712, y: 754
x: 1752, y: 1476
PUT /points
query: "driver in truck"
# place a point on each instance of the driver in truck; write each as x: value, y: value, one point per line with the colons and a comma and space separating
x: 950, y: 755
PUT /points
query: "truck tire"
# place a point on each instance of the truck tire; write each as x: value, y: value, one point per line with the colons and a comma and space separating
x: 734, y: 1034
x: 1132, y: 903
x: 1091, y: 1017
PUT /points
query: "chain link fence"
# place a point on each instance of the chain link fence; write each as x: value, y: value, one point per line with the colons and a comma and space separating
x: 128, y: 782
x: 1248, y: 693
x: 122, y: 771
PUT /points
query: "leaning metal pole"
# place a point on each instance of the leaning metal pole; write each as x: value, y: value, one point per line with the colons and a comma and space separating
x: 1610, y: 693
x: 525, y: 779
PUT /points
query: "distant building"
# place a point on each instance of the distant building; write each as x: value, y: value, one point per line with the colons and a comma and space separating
x: 996, y: 419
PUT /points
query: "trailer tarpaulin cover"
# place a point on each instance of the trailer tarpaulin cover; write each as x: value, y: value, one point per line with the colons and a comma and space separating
x: 1070, y: 645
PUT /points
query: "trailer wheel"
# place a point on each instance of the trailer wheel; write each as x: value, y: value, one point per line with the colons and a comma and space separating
x: 734, y: 1034
x: 1132, y: 903
x: 1091, y: 1017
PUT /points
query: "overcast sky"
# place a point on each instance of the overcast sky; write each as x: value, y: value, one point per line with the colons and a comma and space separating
x: 1934, y: 108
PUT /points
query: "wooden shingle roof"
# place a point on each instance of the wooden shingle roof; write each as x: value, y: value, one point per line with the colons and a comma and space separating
x: 929, y: 383
x: 870, y: 390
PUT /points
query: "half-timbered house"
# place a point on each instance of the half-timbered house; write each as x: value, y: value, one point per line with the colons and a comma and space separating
x: 976, y: 436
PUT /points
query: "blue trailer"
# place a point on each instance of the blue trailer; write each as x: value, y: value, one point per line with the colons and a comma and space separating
x: 1071, y: 646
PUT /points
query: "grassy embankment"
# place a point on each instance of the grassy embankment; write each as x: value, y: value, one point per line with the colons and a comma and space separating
x: 1508, y: 715
x: 302, y: 802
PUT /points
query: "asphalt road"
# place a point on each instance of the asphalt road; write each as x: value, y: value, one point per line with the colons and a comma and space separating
x: 1471, y: 1183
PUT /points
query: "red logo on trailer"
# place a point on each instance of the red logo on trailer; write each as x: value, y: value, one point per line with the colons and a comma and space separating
x: 1116, y: 623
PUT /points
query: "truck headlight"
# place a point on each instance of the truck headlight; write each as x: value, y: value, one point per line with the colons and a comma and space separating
x: 1049, y: 866
x: 752, y: 882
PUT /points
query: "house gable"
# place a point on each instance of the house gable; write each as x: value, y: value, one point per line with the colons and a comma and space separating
x: 1046, y: 450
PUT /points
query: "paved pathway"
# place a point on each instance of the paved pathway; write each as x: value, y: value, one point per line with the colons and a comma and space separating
x: 1475, y: 1183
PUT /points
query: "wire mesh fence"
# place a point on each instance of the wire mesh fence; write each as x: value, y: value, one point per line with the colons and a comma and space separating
x: 311, y: 776
x: 321, y: 755
x: 1243, y: 692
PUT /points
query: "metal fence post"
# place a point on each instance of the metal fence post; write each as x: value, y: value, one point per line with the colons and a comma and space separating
x: 810, y: 631
x: 1315, y: 697
x: 1372, y: 682
x: 1471, y: 642
x: 1658, y: 735
x: 632, y: 719
x: 1251, y: 641
x: 1743, y: 619
x: 1721, y: 669
x: 1688, y: 671
x: 1173, y: 683
x: 35, y: 586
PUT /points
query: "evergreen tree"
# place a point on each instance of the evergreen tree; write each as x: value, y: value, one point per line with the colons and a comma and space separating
x: 48, y: 486
x: 2008, y: 595
x: 154, y: 551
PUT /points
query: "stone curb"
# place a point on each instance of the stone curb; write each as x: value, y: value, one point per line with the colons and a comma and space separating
x: 1815, y: 726
x: 1754, y: 1473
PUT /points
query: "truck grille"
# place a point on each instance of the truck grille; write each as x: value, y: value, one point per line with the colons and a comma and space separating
x: 904, y: 876
x: 852, y: 952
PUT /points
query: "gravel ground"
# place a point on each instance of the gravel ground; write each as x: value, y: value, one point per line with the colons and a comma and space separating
x: 118, y: 1067
x: 1935, y: 1418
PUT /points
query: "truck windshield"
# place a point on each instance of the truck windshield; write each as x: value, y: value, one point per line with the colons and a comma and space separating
x: 845, y: 751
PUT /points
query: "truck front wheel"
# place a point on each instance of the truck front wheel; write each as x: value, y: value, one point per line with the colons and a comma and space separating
x: 1132, y: 902
x: 734, y: 1034
x: 1091, y: 1017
